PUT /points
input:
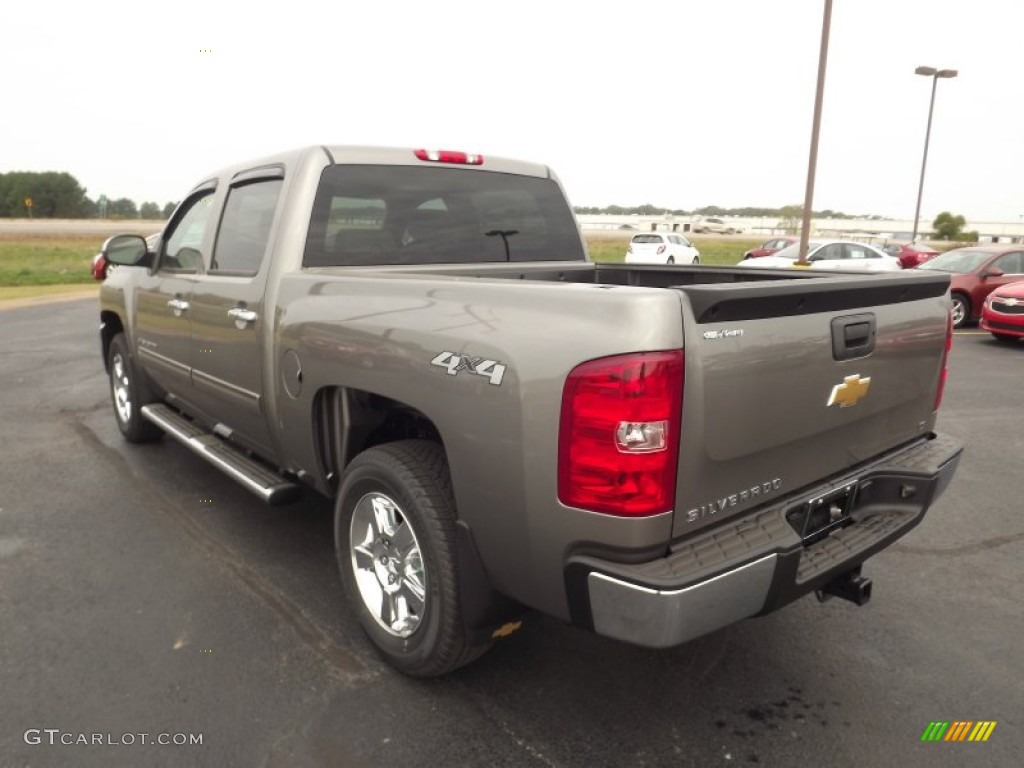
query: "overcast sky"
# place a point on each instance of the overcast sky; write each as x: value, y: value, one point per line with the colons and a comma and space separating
x: 680, y: 104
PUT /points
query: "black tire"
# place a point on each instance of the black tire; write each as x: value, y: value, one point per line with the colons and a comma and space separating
x: 696, y: 260
x: 407, y: 484
x: 961, y: 309
x: 129, y: 391
x: 671, y: 260
x: 1006, y: 338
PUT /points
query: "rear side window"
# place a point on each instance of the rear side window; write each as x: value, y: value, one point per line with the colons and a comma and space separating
x: 370, y: 214
x: 245, y: 227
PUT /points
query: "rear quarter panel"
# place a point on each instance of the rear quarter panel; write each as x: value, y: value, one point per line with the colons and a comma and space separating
x: 378, y: 331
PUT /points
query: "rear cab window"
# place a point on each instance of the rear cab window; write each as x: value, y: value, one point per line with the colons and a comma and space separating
x: 382, y: 214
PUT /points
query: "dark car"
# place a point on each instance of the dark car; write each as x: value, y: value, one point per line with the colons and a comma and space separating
x: 768, y: 247
x: 910, y: 254
x: 1003, y: 312
x: 975, y: 272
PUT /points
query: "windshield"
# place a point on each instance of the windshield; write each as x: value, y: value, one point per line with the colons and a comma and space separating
x: 959, y: 261
x: 792, y: 252
x: 373, y: 214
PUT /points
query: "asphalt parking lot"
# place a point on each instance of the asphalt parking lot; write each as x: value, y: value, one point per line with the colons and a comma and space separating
x: 142, y: 592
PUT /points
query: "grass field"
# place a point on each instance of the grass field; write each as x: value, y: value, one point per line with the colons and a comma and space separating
x: 40, y: 261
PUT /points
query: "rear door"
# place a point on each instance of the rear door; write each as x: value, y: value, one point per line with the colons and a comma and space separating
x: 163, y: 318
x: 228, y: 309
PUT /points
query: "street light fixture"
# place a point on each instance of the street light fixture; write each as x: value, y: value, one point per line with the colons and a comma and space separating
x: 934, y: 74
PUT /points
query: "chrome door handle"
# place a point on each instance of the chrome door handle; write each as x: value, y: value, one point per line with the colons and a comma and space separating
x: 177, y: 306
x: 240, y: 315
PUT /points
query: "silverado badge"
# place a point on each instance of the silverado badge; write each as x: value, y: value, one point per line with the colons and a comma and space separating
x: 849, y: 392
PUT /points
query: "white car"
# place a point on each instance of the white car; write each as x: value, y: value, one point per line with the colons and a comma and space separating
x: 830, y: 254
x: 715, y: 226
x: 658, y: 248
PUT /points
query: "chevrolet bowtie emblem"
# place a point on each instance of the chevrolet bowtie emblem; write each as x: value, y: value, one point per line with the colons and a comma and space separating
x: 1011, y: 302
x: 849, y: 392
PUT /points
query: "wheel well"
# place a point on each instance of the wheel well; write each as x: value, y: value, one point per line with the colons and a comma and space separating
x: 110, y: 326
x: 348, y: 421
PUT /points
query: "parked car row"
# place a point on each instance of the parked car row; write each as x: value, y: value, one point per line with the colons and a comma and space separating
x: 768, y: 247
x: 910, y: 254
x: 975, y: 272
x: 830, y: 254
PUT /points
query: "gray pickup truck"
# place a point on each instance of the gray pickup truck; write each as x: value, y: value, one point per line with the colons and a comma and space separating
x: 648, y: 452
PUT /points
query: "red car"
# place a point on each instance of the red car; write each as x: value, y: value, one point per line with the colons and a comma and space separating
x: 975, y: 272
x: 1003, y: 312
x: 910, y: 254
x: 768, y: 247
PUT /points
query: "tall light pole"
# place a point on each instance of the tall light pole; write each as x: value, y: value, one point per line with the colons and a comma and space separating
x: 934, y: 74
x: 812, y: 162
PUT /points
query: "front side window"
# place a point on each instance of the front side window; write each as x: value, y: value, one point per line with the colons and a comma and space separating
x: 1010, y: 263
x: 181, y: 251
x: 245, y: 227
x: 370, y: 214
x: 958, y: 262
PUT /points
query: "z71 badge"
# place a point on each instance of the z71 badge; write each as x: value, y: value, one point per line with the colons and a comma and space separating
x: 491, y: 370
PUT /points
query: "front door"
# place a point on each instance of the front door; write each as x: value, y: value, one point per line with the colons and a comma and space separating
x: 163, y: 317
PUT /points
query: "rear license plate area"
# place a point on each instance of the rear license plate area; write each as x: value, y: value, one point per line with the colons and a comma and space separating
x: 817, y: 518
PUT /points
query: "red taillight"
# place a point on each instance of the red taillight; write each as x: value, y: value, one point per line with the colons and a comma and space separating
x: 944, y: 371
x: 99, y: 267
x: 618, y: 441
x: 447, y: 156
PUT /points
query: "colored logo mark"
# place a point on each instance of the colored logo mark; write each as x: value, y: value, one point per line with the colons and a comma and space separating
x: 959, y: 730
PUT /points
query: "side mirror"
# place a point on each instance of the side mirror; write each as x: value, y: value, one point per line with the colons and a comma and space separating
x: 126, y: 250
x: 993, y: 272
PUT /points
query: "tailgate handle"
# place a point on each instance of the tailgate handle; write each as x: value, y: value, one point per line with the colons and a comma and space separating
x: 853, y: 336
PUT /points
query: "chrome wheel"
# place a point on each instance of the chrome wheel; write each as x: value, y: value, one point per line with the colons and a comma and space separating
x: 121, y: 386
x: 387, y: 564
x: 959, y: 310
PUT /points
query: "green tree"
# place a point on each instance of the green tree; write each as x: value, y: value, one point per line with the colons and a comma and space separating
x: 122, y: 208
x: 149, y: 211
x: 948, y: 227
x: 790, y: 217
x: 54, y: 195
x: 169, y: 209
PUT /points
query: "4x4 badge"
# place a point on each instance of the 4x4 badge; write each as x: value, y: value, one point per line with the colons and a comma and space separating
x: 491, y: 370
x: 849, y: 392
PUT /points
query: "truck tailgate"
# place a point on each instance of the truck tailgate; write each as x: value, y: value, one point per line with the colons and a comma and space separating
x: 790, y: 382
